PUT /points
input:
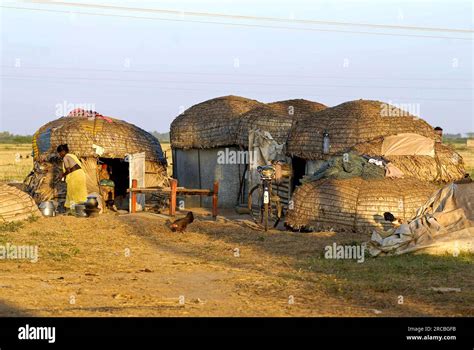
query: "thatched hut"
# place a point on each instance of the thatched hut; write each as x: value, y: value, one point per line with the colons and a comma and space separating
x: 444, y: 165
x: 94, y: 139
x: 210, y: 124
x: 204, y: 146
x: 277, y: 118
x: 299, y: 108
x: 351, y: 123
x: 16, y: 205
x: 355, y: 204
x: 361, y: 125
x: 221, y: 126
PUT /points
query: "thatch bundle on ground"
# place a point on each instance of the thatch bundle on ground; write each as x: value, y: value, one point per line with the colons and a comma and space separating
x: 210, y: 124
x: 446, y: 165
x: 351, y: 123
x: 92, y: 138
x: 355, y: 204
x: 16, y: 205
x: 277, y: 118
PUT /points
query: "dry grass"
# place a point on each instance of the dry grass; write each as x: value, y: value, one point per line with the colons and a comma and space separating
x: 133, y: 265
x: 467, y: 154
x: 166, y: 147
x: 10, y: 170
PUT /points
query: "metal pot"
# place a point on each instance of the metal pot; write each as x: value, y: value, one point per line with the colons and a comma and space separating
x: 92, y: 202
x: 47, y: 208
x: 80, y: 210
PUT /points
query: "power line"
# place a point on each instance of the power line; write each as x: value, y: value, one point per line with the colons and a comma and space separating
x: 75, y: 82
x: 238, y: 83
x: 254, y: 18
x: 239, y: 24
x: 229, y: 74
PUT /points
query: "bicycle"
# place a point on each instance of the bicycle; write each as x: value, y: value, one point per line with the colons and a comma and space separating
x: 268, y: 205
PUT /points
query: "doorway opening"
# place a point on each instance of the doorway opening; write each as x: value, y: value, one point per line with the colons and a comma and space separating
x: 118, y: 170
x: 299, y: 170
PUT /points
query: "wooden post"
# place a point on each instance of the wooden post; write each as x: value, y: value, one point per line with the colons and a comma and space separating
x: 173, y: 185
x: 215, y: 194
x: 133, y: 195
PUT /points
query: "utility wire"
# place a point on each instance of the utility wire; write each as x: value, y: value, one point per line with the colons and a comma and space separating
x: 240, y: 24
x: 238, y: 83
x: 127, y: 70
x: 253, y: 18
x: 63, y: 80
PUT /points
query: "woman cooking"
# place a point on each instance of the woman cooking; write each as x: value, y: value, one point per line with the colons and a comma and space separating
x: 75, y: 177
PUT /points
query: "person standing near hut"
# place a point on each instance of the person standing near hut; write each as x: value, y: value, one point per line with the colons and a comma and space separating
x: 75, y: 177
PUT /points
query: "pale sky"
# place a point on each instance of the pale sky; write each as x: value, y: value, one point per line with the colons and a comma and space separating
x: 146, y: 70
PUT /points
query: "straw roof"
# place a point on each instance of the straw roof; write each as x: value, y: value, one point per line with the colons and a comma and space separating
x: 355, y: 204
x: 351, y: 123
x: 16, y: 205
x: 277, y: 118
x: 117, y: 137
x: 446, y: 166
x: 298, y: 108
x: 209, y: 124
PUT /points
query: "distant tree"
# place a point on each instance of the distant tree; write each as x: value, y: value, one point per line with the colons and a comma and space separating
x: 162, y: 137
x: 470, y: 135
x: 452, y: 136
x: 6, y: 137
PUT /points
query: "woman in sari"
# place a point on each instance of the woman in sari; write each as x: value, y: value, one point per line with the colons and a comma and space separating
x: 75, y: 177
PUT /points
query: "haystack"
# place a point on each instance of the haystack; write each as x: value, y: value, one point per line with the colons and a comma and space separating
x: 351, y: 123
x: 211, y: 123
x: 277, y: 118
x: 16, y: 205
x: 445, y: 166
x: 355, y: 204
x: 93, y: 138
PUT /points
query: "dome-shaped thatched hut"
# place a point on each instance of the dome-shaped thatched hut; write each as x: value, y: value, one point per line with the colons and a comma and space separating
x: 351, y: 123
x: 299, y: 108
x: 94, y: 139
x: 204, y: 146
x: 211, y: 123
x: 362, y: 126
x: 444, y: 165
x: 16, y: 205
x: 373, y: 129
x: 277, y: 118
x: 355, y: 204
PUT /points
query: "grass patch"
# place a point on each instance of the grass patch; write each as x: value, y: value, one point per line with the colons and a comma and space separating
x: 11, y: 226
x: 58, y: 256
x: 407, y: 273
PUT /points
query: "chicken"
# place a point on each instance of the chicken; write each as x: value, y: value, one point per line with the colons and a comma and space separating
x: 181, y: 224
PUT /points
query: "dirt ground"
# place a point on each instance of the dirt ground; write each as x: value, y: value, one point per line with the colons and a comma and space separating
x: 132, y: 265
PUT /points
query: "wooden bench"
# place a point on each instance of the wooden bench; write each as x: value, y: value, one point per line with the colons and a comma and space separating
x: 172, y: 192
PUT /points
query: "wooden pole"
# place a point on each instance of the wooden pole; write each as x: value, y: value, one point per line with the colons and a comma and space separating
x: 134, y: 196
x: 173, y: 185
x: 215, y: 194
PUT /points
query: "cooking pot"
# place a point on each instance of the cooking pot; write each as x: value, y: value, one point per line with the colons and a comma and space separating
x: 47, y: 208
x: 92, y: 202
x: 80, y: 210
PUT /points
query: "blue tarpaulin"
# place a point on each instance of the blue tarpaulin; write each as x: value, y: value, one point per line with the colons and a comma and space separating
x: 43, y: 141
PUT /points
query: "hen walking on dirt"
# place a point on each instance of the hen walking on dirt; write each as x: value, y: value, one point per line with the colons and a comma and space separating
x: 180, y: 225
